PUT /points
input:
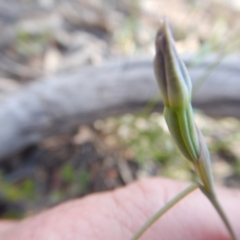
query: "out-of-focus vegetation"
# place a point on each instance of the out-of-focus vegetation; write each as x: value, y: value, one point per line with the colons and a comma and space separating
x: 148, y: 140
x: 77, y: 164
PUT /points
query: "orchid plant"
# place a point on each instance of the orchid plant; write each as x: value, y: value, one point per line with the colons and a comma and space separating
x: 176, y: 91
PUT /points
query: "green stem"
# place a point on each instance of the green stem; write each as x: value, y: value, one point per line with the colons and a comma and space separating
x: 213, y: 199
x: 163, y: 210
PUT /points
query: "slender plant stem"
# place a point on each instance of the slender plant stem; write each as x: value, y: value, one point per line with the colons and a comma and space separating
x: 213, y: 199
x: 163, y: 210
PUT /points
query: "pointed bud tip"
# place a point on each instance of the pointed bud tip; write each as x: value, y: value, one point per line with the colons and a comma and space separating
x: 163, y: 36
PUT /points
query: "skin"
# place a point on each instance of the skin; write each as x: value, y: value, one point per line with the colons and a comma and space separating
x: 118, y: 214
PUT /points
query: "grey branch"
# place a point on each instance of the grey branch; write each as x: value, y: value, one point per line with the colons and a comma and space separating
x: 56, y: 104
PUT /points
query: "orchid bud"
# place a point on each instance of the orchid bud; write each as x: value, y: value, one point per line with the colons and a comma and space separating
x: 170, y: 71
x: 175, y: 86
x: 176, y: 90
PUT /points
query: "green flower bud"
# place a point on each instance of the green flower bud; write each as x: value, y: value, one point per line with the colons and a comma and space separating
x: 175, y: 86
x: 170, y: 71
x: 176, y: 90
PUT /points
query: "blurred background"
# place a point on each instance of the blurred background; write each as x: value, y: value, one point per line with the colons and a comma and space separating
x: 46, y: 38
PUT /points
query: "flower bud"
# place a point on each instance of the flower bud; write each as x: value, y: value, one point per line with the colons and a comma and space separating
x: 170, y: 71
x: 176, y: 89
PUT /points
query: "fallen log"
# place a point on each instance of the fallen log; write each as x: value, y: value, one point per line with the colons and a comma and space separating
x: 56, y: 104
